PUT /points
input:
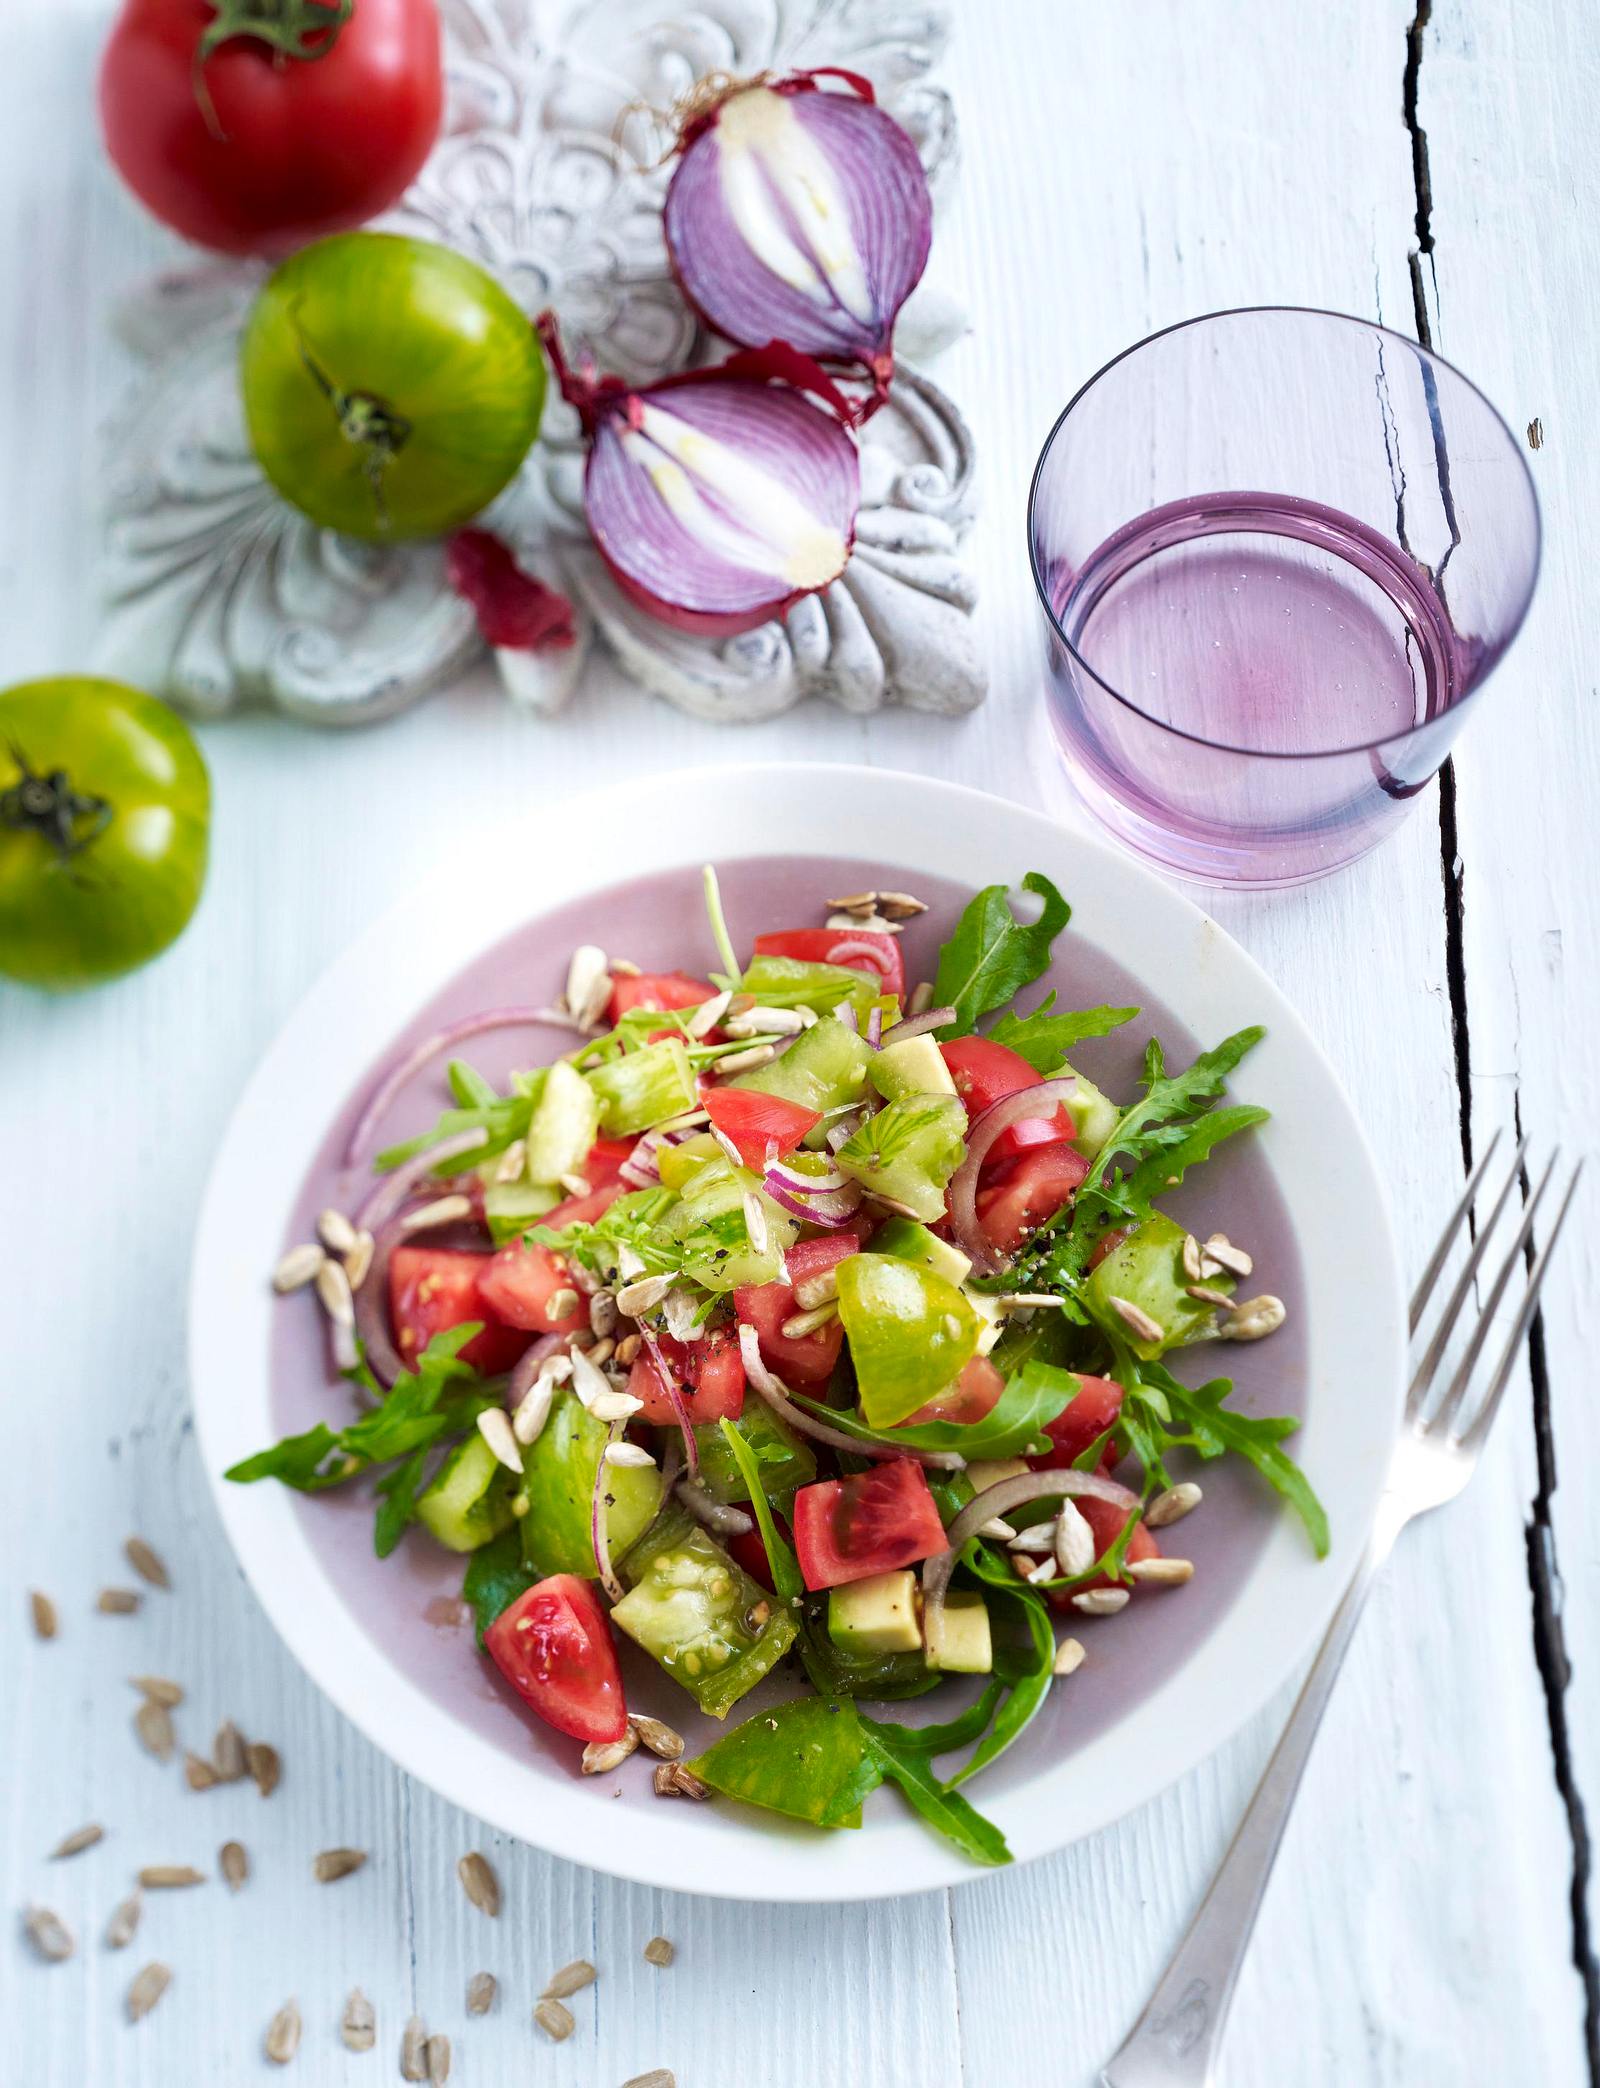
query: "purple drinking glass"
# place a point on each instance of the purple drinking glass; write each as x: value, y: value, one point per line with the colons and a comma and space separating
x: 1278, y: 552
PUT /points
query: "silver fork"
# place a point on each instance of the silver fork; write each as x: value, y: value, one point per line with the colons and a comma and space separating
x: 1176, y: 2041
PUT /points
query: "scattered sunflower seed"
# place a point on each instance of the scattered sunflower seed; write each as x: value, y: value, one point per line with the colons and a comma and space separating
x: 153, y: 1723
x: 413, y: 2051
x: 600, y: 1756
x: 78, y: 1840
x: 49, y: 1935
x: 358, y: 1262
x: 1074, y: 1541
x: 745, y: 1061
x: 199, y: 1774
x: 637, y: 1298
x: 1205, y: 1294
x: 657, y: 1736
x: 1220, y: 1249
x: 333, y: 1288
x: 804, y: 1323
x: 527, y: 1423
x: 555, y: 2019
x: 297, y: 1268
x: 147, y: 1988
x: 657, y: 2077
x: 1173, y: 1505
x: 282, y: 2040
x: 436, y: 2052
x: 604, y: 1318
x: 626, y: 967
x: 601, y: 1352
x: 1101, y: 1602
x: 479, y: 1882
x: 755, y: 1222
x: 1137, y: 1320
x: 494, y: 1425
x: 168, y: 1877
x: 629, y: 1456
x: 708, y: 1014
x: 997, y: 1528
x: 444, y: 1210
x: 1161, y: 1573
x: 512, y: 1161
x: 658, y: 1951
x: 358, y: 2026
x: 336, y: 1232
x: 264, y: 1765
x: 1043, y: 1570
x: 561, y: 1303
x: 117, y: 1602
x: 628, y: 1348
x: 158, y: 1689
x: 672, y: 1780
x: 124, y: 1921
x: 333, y: 1864
x: 1254, y: 1319
x: 234, y: 1864
x: 921, y: 998
x: 1037, y: 1537
x: 1069, y: 1657
x: 1191, y: 1257
x: 571, y: 1979
x: 855, y: 903
x: 481, y: 1990
x: 43, y: 1612
x: 614, y: 1406
x: 900, y: 906
x: 229, y: 1756
x: 1025, y: 1301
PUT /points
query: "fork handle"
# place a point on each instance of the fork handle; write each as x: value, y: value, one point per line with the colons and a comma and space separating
x: 1176, y: 2041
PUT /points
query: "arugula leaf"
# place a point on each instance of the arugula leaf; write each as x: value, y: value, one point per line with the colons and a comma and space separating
x: 1033, y: 1395
x: 957, y: 1731
x: 992, y: 955
x: 1044, y: 1039
x: 1165, y: 1166
x: 786, y: 1581
x: 397, y: 1502
x: 1197, y: 1420
x: 300, y: 1461
x: 944, y: 1810
x: 1028, y: 1672
x: 496, y: 1575
x: 469, y: 1087
x: 880, y: 1677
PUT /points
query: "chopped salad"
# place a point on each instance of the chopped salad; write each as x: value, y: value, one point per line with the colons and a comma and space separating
x: 792, y: 1319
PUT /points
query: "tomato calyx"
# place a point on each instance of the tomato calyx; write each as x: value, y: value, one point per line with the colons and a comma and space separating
x: 49, y: 805
x: 292, y: 28
x: 369, y: 423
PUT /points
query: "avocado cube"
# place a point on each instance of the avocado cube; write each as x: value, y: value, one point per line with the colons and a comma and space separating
x: 914, y: 1067
x: 965, y: 1646
x: 985, y: 1472
x: 906, y: 1240
x: 878, y: 1615
x: 1094, y: 1115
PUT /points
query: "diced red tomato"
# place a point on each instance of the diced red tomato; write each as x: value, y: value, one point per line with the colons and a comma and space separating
x: 554, y: 1647
x: 604, y: 1163
x: 1029, y: 1191
x: 864, y: 950
x: 1106, y: 1522
x: 654, y: 990
x: 871, y: 1522
x: 584, y: 1210
x: 433, y: 1288
x: 1089, y: 1414
x: 806, y: 1359
x: 518, y: 1283
x: 710, y: 1373
x: 1108, y: 1243
x: 973, y: 1395
x: 985, y: 1073
x: 761, y: 1126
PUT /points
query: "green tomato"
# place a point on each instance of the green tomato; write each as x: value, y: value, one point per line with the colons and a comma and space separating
x: 1147, y: 1272
x: 559, y: 1469
x: 909, y: 1331
x: 105, y: 807
x: 391, y: 387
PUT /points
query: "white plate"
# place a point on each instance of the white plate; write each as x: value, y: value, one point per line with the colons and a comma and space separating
x: 1314, y: 1146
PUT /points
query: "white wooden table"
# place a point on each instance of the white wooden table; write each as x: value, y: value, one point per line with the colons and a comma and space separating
x: 1125, y: 166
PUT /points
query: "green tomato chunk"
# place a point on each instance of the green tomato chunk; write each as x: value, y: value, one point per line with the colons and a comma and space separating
x: 784, y: 1459
x: 908, y: 1152
x: 798, y: 1759
x: 910, y: 1332
x: 558, y: 1478
x: 712, y: 1227
x: 1147, y: 1272
x: 644, y: 1087
x: 825, y: 1068
x: 700, y: 1616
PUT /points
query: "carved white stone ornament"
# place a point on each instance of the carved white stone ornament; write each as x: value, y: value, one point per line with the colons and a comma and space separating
x: 220, y: 595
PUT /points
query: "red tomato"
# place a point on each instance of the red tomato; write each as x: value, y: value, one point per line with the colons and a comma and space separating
x: 1029, y: 1191
x: 1109, y: 1243
x: 806, y: 1359
x: 710, y: 1373
x: 604, y: 1163
x: 584, y: 1210
x: 554, y: 1647
x: 973, y: 1395
x: 1106, y: 1523
x: 654, y: 990
x: 986, y: 1073
x: 865, y: 950
x: 519, y: 1282
x: 1087, y: 1415
x: 747, y: 1548
x: 761, y: 1126
x: 872, y: 1522
x: 432, y: 1288
x: 253, y: 149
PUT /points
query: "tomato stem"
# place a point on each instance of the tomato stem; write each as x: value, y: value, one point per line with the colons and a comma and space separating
x: 364, y: 420
x: 50, y: 806
x: 303, y: 29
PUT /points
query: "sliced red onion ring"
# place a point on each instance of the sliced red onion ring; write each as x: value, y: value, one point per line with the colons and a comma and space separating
x: 718, y: 1517
x: 845, y: 1130
x: 804, y: 1184
x: 394, y: 1189
x: 430, y: 1047
x: 667, y: 1379
x: 1042, y: 1100
x: 379, y: 1215
x: 598, y: 1533
x: 846, y: 1013
x: 919, y: 1025
x: 829, y: 1208
x: 995, y: 1500
x: 775, y: 1393
x: 803, y: 216
x: 718, y: 498
x: 875, y: 1027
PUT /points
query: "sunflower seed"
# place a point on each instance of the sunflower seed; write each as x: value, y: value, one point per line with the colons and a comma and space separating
x: 297, y: 1268
x: 159, y: 1690
x: 481, y: 1990
x: 443, y: 1210
x: 766, y: 1022
x: 117, y: 1602
x: 1254, y: 1319
x: 1173, y: 1505
x: 358, y: 1262
x: 746, y: 1061
x: 755, y: 1223
x: 1161, y: 1573
x: 333, y: 1288
x: 1075, y: 1545
x: 635, y: 1299
x: 575, y: 1184
x: 1137, y: 1320
x: 603, y: 1755
x: 80, y: 1839
x: 821, y: 1289
x: 413, y: 2051
x: 333, y: 1864
x: 571, y: 1979
x: 1101, y: 1602
x: 1069, y: 1657
x: 199, y: 1774
x: 43, y: 1612
x: 627, y: 1349
x: 1042, y: 1570
x: 707, y: 1015
x: 1191, y: 1257
x: 657, y: 2077
x: 600, y: 1352
x: 659, y: 1738
x: 996, y: 1528
x: 512, y: 1161
x: 494, y: 1425
x: 229, y: 1755
x: 1025, y: 1301
x: 153, y: 1723
x: 479, y: 1882
x: 586, y: 1380
x: 49, y: 1935
x: 588, y: 985
x: 124, y: 1920
x: 804, y: 1323
x: 672, y: 1780
x: 854, y: 903
x: 658, y: 1951
x: 358, y: 2026
x: 1222, y: 1251
x: 147, y: 1988
x: 264, y: 1766
x: 1037, y: 1537
x: 921, y: 998
x: 900, y: 906
x: 234, y: 1864
x: 879, y: 924
x: 626, y: 968
x: 170, y: 1877
x: 527, y: 1423
x: 555, y: 2019
x: 562, y: 1303
x: 604, y: 1318
x: 436, y: 2052
x: 335, y: 1231
x: 629, y: 1457
x: 282, y: 2040
x: 1204, y: 1294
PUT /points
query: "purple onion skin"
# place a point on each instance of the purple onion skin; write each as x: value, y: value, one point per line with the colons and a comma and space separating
x: 891, y: 223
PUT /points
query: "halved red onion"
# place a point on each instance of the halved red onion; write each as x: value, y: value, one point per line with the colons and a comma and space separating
x: 995, y: 1500
x: 598, y: 1533
x: 776, y: 1395
x: 405, y: 1069
x: 829, y: 1207
x: 666, y: 1377
x: 797, y: 214
x: 1042, y: 1100
x: 718, y: 498
x: 918, y: 1025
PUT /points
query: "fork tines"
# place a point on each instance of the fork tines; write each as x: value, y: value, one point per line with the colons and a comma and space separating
x: 1445, y: 1413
